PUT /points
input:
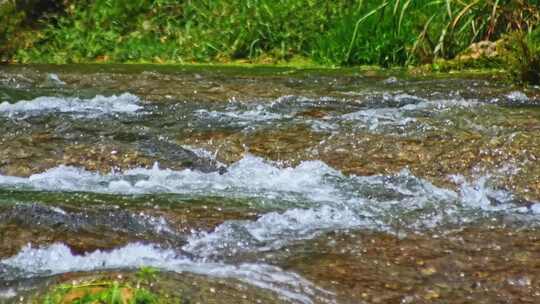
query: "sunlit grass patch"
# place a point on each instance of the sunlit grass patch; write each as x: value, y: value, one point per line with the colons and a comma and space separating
x: 100, y: 292
x: 106, y: 291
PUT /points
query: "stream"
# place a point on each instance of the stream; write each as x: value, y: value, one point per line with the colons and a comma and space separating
x: 270, y: 185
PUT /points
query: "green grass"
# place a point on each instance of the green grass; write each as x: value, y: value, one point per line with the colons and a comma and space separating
x: 330, y: 33
x: 524, y: 56
x: 107, y: 292
x: 11, y: 21
x: 100, y: 292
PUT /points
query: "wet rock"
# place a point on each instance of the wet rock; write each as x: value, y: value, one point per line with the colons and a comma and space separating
x: 426, y: 267
x: 428, y: 271
x: 175, y: 156
x: 167, y: 287
x: 14, y: 237
x: 82, y: 229
x: 104, y: 158
x: 85, y: 223
x: 392, y: 100
x: 391, y: 80
x: 482, y: 49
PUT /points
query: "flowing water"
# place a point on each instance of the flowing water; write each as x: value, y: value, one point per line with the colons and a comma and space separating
x: 270, y: 185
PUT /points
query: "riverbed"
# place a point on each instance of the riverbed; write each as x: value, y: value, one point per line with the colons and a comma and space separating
x: 270, y: 185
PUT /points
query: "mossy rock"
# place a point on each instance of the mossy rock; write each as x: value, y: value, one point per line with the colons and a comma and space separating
x: 100, y: 293
x: 145, y: 286
x: 481, y: 55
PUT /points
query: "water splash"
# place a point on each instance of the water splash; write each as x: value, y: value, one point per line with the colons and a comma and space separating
x: 380, y: 113
x: 99, y: 105
x: 402, y: 111
x: 249, y: 177
x: 57, y: 259
x: 241, y: 115
x: 53, y: 79
x: 316, y: 198
x: 517, y: 96
x: 273, y: 231
x: 374, y: 119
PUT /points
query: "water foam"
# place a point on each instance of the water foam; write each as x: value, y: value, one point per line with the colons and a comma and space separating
x: 254, y: 114
x: 315, y: 197
x: 384, y: 112
x: 272, y: 231
x: 57, y: 258
x: 8, y: 293
x: 55, y: 79
x: 517, y: 96
x: 244, y: 115
x: 333, y: 202
x: 374, y: 119
x: 330, y: 201
x: 380, y: 203
x: 249, y: 177
x: 401, y: 110
x: 99, y: 105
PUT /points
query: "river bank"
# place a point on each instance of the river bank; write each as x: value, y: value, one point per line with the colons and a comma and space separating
x: 417, y: 35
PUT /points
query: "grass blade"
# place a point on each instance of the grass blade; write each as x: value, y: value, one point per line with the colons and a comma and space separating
x: 357, y: 25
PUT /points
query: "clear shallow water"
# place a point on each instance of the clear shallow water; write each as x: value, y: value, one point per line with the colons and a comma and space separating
x: 400, y: 204
x: 181, y: 175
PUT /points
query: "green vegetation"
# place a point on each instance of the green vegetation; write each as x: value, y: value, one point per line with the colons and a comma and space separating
x: 12, y: 20
x: 100, y: 293
x: 107, y: 292
x: 524, y: 56
x: 147, y: 275
x: 331, y: 33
